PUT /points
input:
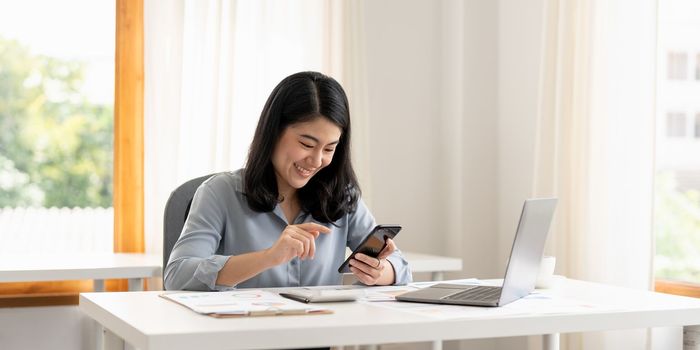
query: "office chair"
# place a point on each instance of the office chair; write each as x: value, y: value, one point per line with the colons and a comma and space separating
x: 176, y: 209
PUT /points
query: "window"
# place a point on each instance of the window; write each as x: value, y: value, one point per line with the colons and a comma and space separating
x: 56, y: 113
x: 677, y: 174
x: 677, y: 63
x: 675, y: 125
x: 74, y: 89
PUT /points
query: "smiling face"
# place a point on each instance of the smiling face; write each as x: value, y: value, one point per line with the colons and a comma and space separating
x: 302, y: 151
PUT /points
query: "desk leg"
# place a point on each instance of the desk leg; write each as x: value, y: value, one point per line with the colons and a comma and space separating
x: 98, y: 285
x: 691, y: 337
x: 437, y: 276
x: 111, y: 341
x: 99, y: 335
x: 550, y: 341
x: 135, y: 284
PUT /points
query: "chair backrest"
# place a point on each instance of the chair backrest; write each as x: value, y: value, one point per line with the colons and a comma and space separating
x: 176, y: 209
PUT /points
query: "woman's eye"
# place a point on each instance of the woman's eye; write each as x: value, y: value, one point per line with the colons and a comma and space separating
x: 331, y: 150
x: 306, y: 146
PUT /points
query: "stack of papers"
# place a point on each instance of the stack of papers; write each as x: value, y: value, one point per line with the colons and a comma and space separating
x: 249, y: 302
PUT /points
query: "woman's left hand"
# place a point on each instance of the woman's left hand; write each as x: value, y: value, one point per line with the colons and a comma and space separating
x: 374, y: 271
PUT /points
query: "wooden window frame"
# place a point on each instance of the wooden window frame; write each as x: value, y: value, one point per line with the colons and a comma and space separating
x: 128, y: 166
x: 128, y: 129
x: 677, y: 288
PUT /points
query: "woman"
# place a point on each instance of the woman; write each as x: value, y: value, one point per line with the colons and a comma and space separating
x: 286, y: 218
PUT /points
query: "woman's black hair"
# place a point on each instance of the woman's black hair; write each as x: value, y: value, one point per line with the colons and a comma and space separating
x: 301, y: 97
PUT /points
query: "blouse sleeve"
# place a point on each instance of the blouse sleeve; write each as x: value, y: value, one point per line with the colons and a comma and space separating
x: 361, y: 223
x: 193, y: 264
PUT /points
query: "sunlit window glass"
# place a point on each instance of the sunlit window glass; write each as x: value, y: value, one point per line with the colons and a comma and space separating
x: 675, y: 125
x: 56, y: 117
x: 677, y: 180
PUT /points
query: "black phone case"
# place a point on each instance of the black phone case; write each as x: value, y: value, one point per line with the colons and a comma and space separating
x: 389, y: 231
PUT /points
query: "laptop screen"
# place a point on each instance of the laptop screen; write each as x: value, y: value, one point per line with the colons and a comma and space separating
x: 528, y: 246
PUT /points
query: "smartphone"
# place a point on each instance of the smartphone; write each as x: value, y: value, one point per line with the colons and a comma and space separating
x: 373, y: 244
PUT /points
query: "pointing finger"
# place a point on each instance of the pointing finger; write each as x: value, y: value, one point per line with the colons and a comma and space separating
x: 314, y: 227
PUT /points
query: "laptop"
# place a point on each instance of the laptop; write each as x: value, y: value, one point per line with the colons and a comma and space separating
x: 521, y: 273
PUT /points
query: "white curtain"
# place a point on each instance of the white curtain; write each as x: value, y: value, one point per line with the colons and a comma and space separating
x: 210, y: 66
x: 594, y: 148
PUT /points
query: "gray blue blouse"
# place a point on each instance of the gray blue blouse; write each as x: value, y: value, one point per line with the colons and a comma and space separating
x: 221, y: 224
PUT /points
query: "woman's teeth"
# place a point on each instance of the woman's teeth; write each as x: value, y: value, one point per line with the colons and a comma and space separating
x: 304, y: 171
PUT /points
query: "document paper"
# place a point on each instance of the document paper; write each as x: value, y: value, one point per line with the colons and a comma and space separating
x: 252, y: 302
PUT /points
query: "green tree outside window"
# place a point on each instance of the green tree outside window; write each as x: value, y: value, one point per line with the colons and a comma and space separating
x: 55, y: 145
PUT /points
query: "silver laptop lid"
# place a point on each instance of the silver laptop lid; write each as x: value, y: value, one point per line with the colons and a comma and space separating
x: 528, y: 246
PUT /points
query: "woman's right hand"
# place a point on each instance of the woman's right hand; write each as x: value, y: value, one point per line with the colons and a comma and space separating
x: 296, y: 241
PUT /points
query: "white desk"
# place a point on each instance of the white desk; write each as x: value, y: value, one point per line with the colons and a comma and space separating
x: 97, y: 267
x: 136, y: 267
x: 434, y: 264
x: 149, y: 322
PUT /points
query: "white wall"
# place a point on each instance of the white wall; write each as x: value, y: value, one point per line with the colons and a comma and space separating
x: 432, y: 70
x: 519, y: 40
x: 404, y: 94
x: 480, y: 139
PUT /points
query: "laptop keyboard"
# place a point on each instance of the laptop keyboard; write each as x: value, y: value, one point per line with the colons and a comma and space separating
x: 480, y: 293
